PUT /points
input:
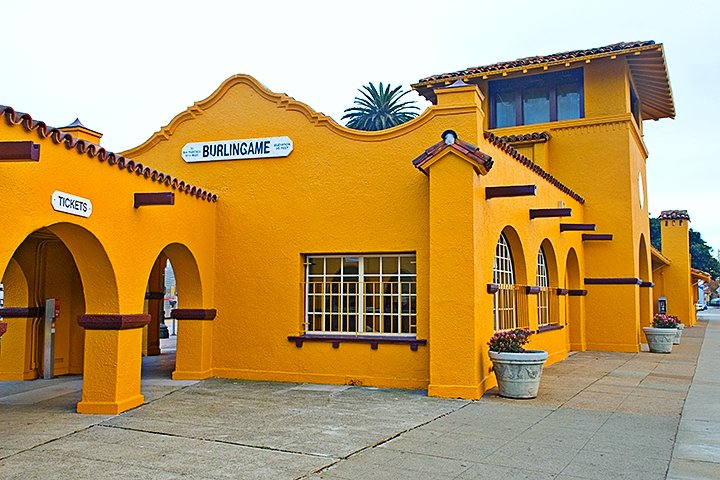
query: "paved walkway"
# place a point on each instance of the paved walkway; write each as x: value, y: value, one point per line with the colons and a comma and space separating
x: 598, y: 416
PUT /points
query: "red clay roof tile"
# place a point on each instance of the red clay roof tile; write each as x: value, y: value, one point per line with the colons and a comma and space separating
x: 674, y: 215
x: 14, y: 118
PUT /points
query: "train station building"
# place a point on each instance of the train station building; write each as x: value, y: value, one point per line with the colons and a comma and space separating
x: 305, y: 251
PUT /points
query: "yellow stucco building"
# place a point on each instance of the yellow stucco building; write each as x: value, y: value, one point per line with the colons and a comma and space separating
x: 308, y: 252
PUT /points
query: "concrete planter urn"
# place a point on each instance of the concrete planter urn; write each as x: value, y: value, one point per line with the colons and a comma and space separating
x: 660, y: 340
x: 680, y: 328
x: 518, y: 374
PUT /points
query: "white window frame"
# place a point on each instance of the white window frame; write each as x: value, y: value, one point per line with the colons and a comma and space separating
x: 324, y: 286
x: 543, y: 297
x: 504, y: 300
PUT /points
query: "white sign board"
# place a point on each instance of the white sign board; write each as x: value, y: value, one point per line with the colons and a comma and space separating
x: 271, y: 147
x: 72, y: 204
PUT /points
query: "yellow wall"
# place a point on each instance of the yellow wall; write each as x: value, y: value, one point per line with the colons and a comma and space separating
x: 95, y: 265
x: 343, y: 191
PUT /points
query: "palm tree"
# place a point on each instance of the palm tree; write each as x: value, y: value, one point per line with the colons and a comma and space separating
x: 379, y: 109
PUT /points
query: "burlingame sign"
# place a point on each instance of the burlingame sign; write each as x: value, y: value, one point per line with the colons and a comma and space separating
x: 72, y: 204
x: 237, y: 149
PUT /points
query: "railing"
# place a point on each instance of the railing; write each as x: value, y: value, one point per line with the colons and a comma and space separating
x: 385, y: 307
x: 511, y: 307
x: 548, y: 307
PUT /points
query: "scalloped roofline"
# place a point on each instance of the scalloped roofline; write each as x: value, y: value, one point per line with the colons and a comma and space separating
x: 284, y: 101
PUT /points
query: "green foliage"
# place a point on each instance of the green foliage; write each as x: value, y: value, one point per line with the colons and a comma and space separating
x: 702, y: 257
x: 655, y: 233
x: 379, y: 109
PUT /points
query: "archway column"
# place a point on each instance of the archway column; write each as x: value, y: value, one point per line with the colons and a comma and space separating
x: 193, y: 360
x: 113, y: 362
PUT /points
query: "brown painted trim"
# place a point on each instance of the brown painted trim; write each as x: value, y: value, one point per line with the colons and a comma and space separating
x: 613, y: 281
x: 492, y: 287
x: 647, y: 284
x: 154, y: 198
x: 154, y: 295
x: 577, y: 293
x: 575, y: 227
x: 22, y: 312
x: 510, y: 191
x: 24, y: 150
x: 561, y: 291
x: 596, y: 236
x: 193, y: 313
x: 113, y: 321
x: 532, y: 290
x: 373, y: 340
x: 549, y: 328
x: 549, y: 212
x: 3, y: 328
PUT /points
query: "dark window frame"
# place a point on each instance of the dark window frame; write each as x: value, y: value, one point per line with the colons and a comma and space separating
x: 548, y: 80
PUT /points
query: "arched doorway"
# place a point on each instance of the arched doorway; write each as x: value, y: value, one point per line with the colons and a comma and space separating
x: 41, y: 268
x: 574, y: 303
x: 173, y: 344
x: 645, y: 292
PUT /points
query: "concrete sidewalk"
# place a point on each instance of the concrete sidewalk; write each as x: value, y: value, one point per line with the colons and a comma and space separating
x: 598, y: 416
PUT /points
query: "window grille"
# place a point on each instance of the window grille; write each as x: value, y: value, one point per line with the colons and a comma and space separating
x: 510, y: 301
x: 361, y: 294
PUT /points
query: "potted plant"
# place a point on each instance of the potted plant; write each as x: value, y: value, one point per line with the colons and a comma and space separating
x: 517, y: 370
x: 661, y: 335
x: 680, y: 328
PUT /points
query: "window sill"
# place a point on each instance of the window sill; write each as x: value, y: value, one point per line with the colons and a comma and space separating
x: 373, y: 340
x: 549, y: 328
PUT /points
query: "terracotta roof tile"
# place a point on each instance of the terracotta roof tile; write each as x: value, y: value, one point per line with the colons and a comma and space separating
x: 527, y: 137
x: 505, y: 147
x: 674, y: 215
x: 92, y: 150
x: 482, y: 162
x: 540, y: 59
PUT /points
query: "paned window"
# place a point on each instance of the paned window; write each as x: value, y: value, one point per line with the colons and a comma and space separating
x: 539, y: 98
x: 543, y: 298
x: 504, y: 277
x: 360, y: 294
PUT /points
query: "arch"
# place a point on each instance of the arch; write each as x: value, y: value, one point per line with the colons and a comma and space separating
x: 550, y: 262
x: 187, y: 274
x: 574, y: 304
x: 96, y: 271
x: 546, y: 279
x: 518, y: 254
x: 645, y: 274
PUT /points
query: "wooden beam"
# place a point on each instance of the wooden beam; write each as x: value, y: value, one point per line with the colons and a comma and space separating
x: 510, y: 191
x: 532, y: 290
x: 22, y: 312
x: 492, y: 287
x: 154, y: 198
x: 596, y: 236
x: 577, y: 293
x: 562, y: 291
x: 193, y: 313
x: 549, y: 212
x: 19, y: 151
x: 577, y: 227
x: 613, y: 281
x: 647, y: 284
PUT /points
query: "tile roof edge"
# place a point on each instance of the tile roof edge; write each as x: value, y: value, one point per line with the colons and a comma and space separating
x: 540, y: 60
x: 14, y: 118
x: 498, y: 142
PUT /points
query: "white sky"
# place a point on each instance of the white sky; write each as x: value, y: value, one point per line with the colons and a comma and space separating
x: 127, y: 68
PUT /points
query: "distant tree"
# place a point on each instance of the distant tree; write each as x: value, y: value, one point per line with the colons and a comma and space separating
x: 655, y: 233
x: 702, y: 257
x: 380, y: 108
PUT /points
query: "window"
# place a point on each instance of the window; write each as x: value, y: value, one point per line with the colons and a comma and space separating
x: 509, y: 300
x: 635, y: 106
x: 537, y: 99
x: 361, y: 294
x: 543, y: 298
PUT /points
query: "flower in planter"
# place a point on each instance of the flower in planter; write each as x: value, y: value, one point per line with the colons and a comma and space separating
x: 665, y: 321
x: 510, y: 340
